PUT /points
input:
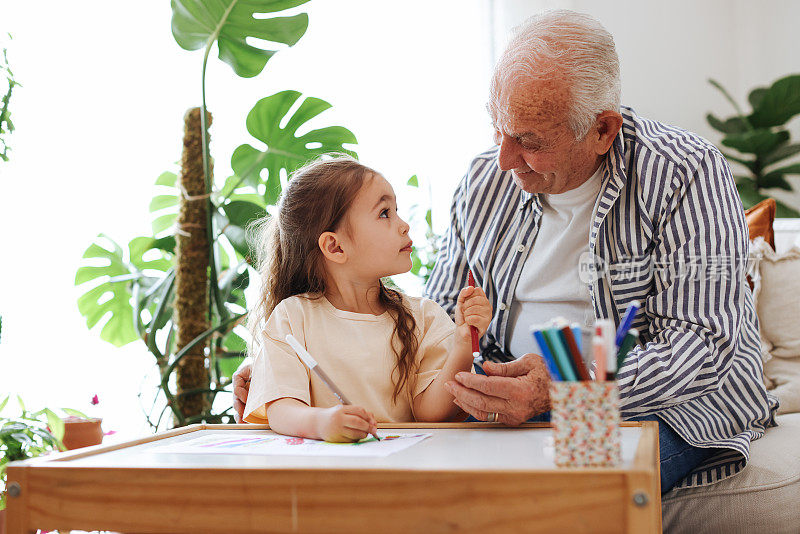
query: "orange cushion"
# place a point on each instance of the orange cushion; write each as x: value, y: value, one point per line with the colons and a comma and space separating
x: 759, y: 221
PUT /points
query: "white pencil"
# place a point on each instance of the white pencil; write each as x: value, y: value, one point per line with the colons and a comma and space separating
x: 312, y: 364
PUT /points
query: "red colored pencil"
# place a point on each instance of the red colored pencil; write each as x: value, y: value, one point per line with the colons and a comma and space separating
x: 476, y: 348
x: 572, y: 347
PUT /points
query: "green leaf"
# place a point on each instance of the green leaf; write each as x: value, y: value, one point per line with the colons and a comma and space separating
x: 416, y: 264
x: 782, y: 211
x: 138, y: 246
x: 756, y: 96
x: 3, y: 404
x: 428, y: 219
x: 729, y: 126
x: 748, y: 193
x: 236, y: 188
x: 778, y: 103
x: 76, y: 413
x: 22, y: 438
x: 199, y: 23
x: 119, y: 328
x: 235, y: 234
x: 21, y: 404
x: 228, y: 366
x: 758, y: 142
x: 56, y: 424
x: 163, y: 222
x: 285, y: 150
x: 234, y: 343
x: 160, y: 202
x: 167, y: 178
x: 775, y: 177
x: 780, y: 153
x: 774, y: 180
x: 167, y: 244
x: 413, y: 182
x: 165, y: 205
x: 233, y: 280
x: 241, y: 213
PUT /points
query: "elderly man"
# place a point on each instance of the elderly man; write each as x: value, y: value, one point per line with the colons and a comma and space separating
x: 576, y: 180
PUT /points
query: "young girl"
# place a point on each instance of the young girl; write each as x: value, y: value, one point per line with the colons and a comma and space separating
x: 336, y: 234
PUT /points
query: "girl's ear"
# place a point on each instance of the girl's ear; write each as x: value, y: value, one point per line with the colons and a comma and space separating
x: 331, y: 247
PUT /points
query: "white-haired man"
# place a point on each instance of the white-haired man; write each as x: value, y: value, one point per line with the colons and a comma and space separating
x: 575, y: 178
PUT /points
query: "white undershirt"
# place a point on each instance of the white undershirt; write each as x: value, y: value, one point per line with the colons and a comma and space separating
x: 549, y: 285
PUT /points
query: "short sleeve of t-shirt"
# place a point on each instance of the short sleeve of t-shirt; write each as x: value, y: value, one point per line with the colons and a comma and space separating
x: 277, y: 370
x: 436, y: 342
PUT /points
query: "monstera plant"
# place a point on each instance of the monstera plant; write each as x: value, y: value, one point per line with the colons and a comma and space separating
x: 763, y: 140
x: 181, y: 290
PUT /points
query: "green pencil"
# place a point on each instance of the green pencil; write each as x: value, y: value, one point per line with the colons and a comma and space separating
x: 626, y: 346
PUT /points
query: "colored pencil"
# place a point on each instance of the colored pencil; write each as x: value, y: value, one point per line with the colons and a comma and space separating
x: 312, y: 364
x: 627, y: 345
x: 547, y: 356
x: 627, y: 321
x: 575, y: 353
x: 608, y: 333
x: 599, y: 352
x: 577, y: 332
x: 560, y: 352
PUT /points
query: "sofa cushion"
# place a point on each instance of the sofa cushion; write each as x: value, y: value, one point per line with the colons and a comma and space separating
x: 760, y: 219
x: 764, y: 497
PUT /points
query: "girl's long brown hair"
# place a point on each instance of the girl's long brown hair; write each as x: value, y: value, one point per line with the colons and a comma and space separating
x: 290, y: 262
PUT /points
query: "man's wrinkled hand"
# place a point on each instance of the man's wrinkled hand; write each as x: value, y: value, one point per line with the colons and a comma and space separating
x: 515, y: 391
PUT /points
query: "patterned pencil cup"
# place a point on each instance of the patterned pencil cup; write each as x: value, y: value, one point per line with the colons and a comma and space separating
x: 585, y: 420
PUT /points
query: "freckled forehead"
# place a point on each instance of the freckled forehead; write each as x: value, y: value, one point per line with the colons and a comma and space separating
x: 534, y: 105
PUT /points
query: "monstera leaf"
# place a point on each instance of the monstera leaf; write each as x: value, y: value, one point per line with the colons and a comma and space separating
x: 114, y: 292
x: 285, y: 150
x: 198, y: 23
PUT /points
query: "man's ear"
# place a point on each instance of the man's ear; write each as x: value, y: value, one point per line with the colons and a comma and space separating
x: 331, y: 247
x: 606, y: 128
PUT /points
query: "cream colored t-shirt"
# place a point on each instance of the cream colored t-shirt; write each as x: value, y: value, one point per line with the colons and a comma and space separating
x: 353, y: 349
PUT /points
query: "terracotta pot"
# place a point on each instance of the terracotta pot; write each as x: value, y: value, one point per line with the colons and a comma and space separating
x: 2, y: 521
x: 80, y: 432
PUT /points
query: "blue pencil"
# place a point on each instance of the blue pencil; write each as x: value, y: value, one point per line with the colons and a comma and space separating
x: 546, y: 354
x: 627, y: 321
x: 577, y: 331
x: 562, y: 357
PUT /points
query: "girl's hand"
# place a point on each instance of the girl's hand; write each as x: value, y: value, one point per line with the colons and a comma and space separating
x: 345, y: 423
x: 472, y: 309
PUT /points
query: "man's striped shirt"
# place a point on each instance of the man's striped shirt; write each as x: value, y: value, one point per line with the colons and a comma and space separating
x: 668, y: 230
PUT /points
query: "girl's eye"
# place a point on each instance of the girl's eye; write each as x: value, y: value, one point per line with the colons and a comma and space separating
x: 384, y: 213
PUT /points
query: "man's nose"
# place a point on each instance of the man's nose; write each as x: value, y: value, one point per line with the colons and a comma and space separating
x: 508, y: 157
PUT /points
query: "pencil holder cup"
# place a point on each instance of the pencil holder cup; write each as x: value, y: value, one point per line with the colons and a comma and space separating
x: 585, y: 420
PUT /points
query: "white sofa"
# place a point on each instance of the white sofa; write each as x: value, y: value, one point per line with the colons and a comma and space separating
x: 765, y: 496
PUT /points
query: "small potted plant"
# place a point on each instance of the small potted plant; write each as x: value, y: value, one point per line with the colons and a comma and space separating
x: 27, y: 436
x: 80, y: 430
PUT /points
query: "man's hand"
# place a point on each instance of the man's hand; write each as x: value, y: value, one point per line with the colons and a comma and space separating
x: 241, y: 386
x: 515, y: 391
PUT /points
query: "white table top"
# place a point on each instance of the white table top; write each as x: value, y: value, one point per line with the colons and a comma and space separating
x: 458, y: 449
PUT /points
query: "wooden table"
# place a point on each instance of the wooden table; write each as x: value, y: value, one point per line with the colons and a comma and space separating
x: 479, y: 477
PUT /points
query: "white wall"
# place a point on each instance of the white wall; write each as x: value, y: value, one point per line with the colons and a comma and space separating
x: 99, y: 117
x: 668, y: 51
